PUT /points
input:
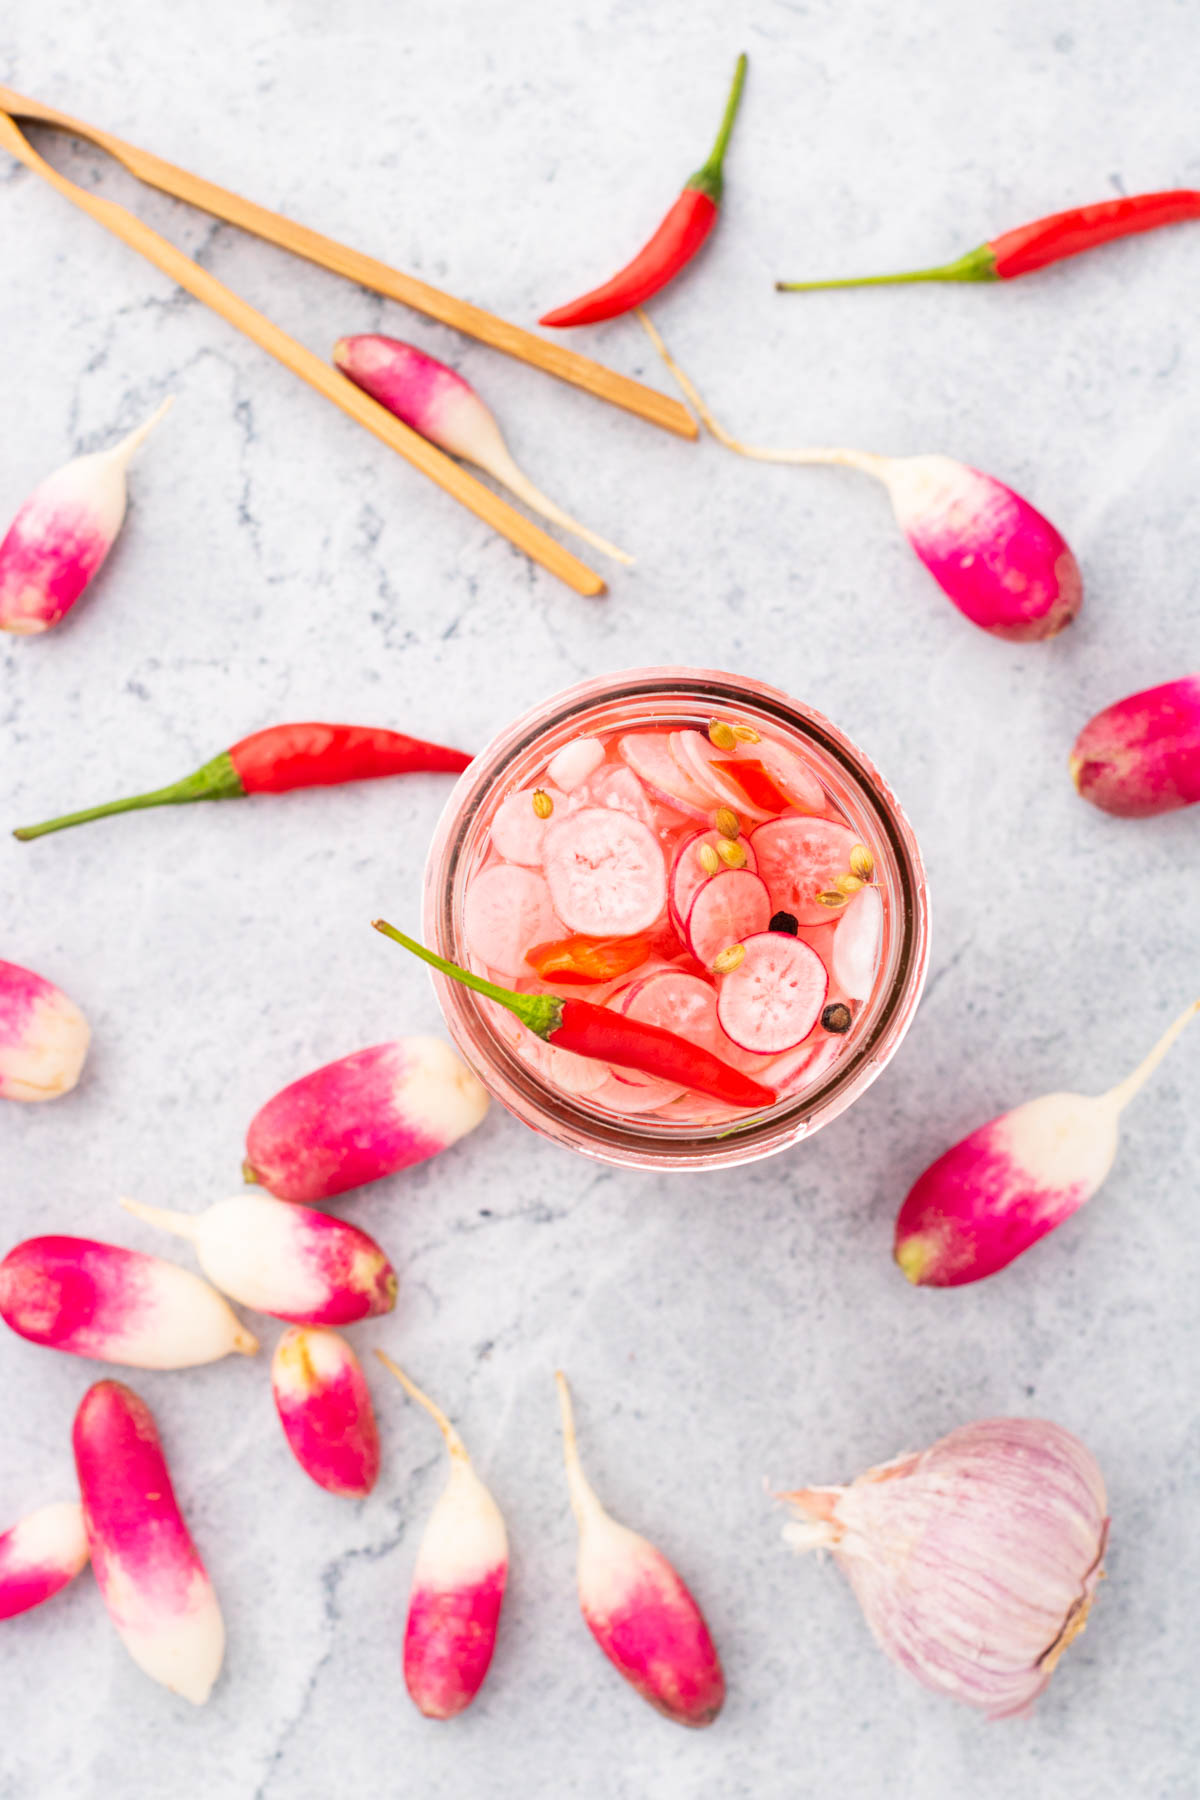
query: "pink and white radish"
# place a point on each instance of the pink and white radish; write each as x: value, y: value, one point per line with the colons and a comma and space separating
x: 290, y: 1261
x: 507, y: 910
x: 39, y: 1555
x: 1010, y: 1182
x: 1141, y: 755
x: 606, y: 873
x: 437, y: 402
x: 62, y: 534
x: 857, y: 943
x: 116, y: 1305
x: 43, y: 1037
x: 324, y: 1406
x: 361, y: 1118
x: 458, y: 1581
x: 149, y: 1572
x: 649, y: 755
x: 729, y: 908
x: 693, y: 866
x: 772, y: 999
x: 636, y: 1607
x: 1005, y: 567
x: 570, y: 767
x: 801, y: 859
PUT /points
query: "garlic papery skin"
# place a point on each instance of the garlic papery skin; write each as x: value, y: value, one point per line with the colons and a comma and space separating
x: 975, y: 1561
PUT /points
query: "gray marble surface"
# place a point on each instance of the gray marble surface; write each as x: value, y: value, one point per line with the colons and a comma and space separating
x: 279, y: 563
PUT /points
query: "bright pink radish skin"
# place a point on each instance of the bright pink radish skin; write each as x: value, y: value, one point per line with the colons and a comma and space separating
x: 1005, y: 567
x: 325, y: 1409
x: 1141, y: 755
x: 116, y: 1305
x: 364, y: 1117
x: 39, y: 1555
x: 458, y: 1582
x: 151, y: 1578
x: 43, y: 1037
x: 63, y: 533
x: 637, y: 1608
x: 437, y: 402
x: 998, y: 1191
x: 290, y: 1261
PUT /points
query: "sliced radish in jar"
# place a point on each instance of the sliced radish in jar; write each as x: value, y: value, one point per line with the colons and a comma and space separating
x: 648, y: 754
x: 799, y: 859
x: 573, y: 1074
x: 517, y: 832
x: 606, y: 873
x: 700, y: 760
x: 680, y: 1003
x: 790, y: 773
x: 507, y: 910
x: 802, y: 1068
x: 727, y: 910
x: 688, y: 873
x: 620, y: 790
x: 570, y: 767
x: 857, y: 942
x: 772, y: 1000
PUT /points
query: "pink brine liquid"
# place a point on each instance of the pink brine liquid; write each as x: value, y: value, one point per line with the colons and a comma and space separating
x: 700, y: 878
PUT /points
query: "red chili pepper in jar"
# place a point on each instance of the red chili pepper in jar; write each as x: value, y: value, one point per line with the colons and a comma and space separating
x: 1046, y: 241
x: 587, y: 961
x: 607, y: 1036
x: 280, y: 758
x: 673, y: 245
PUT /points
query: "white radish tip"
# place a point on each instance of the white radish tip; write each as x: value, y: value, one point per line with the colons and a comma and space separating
x: 454, y: 1443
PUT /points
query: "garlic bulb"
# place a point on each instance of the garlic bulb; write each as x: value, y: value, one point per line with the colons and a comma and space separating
x: 975, y: 1561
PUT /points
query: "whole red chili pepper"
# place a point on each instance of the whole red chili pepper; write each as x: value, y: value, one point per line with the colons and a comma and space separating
x: 283, y: 757
x: 608, y: 1036
x: 674, y: 243
x: 1046, y: 241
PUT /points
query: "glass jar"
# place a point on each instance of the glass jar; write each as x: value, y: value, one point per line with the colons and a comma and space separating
x: 674, y: 699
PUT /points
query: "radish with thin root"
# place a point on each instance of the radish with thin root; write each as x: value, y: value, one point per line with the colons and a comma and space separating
x: 1141, y: 755
x: 1005, y: 567
x: 39, y: 1555
x: 458, y: 1581
x: 636, y: 1607
x: 1010, y: 1182
x: 324, y: 1406
x: 43, y: 1037
x: 361, y: 1118
x: 116, y: 1305
x: 290, y: 1261
x: 150, y: 1575
x: 62, y: 534
x: 437, y: 402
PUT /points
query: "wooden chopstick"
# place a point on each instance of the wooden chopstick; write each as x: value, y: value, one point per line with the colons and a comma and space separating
x: 322, y: 376
x: 646, y: 402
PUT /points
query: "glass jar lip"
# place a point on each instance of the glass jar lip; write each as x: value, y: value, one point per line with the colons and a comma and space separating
x: 643, y: 1144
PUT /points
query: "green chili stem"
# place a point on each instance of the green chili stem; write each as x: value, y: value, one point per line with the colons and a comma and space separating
x: 541, y: 1012
x: 710, y: 177
x: 976, y: 265
x: 217, y: 780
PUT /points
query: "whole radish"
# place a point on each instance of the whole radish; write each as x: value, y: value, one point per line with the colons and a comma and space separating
x: 324, y: 1406
x: 1005, y: 567
x: 364, y: 1117
x: 636, y: 1606
x: 1141, y: 755
x: 39, y: 1555
x: 290, y: 1261
x: 150, y: 1575
x: 437, y: 402
x: 43, y: 1037
x: 458, y: 1581
x: 116, y: 1305
x: 993, y: 1195
x: 62, y: 534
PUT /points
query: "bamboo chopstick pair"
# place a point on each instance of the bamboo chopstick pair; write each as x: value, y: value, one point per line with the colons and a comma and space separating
x: 555, y: 359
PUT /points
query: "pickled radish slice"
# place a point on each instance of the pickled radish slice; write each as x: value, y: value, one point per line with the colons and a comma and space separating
x: 684, y: 1004
x: 570, y: 767
x: 505, y: 911
x: 648, y: 754
x: 856, y: 944
x: 799, y: 859
x: 618, y: 788
x: 606, y: 873
x: 688, y: 873
x: 702, y: 761
x: 772, y: 1000
x: 517, y: 832
x: 802, y: 1067
x: 789, y: 772
x: 727, y: 910
x: 570, y: 1074
x: 587, y: 961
